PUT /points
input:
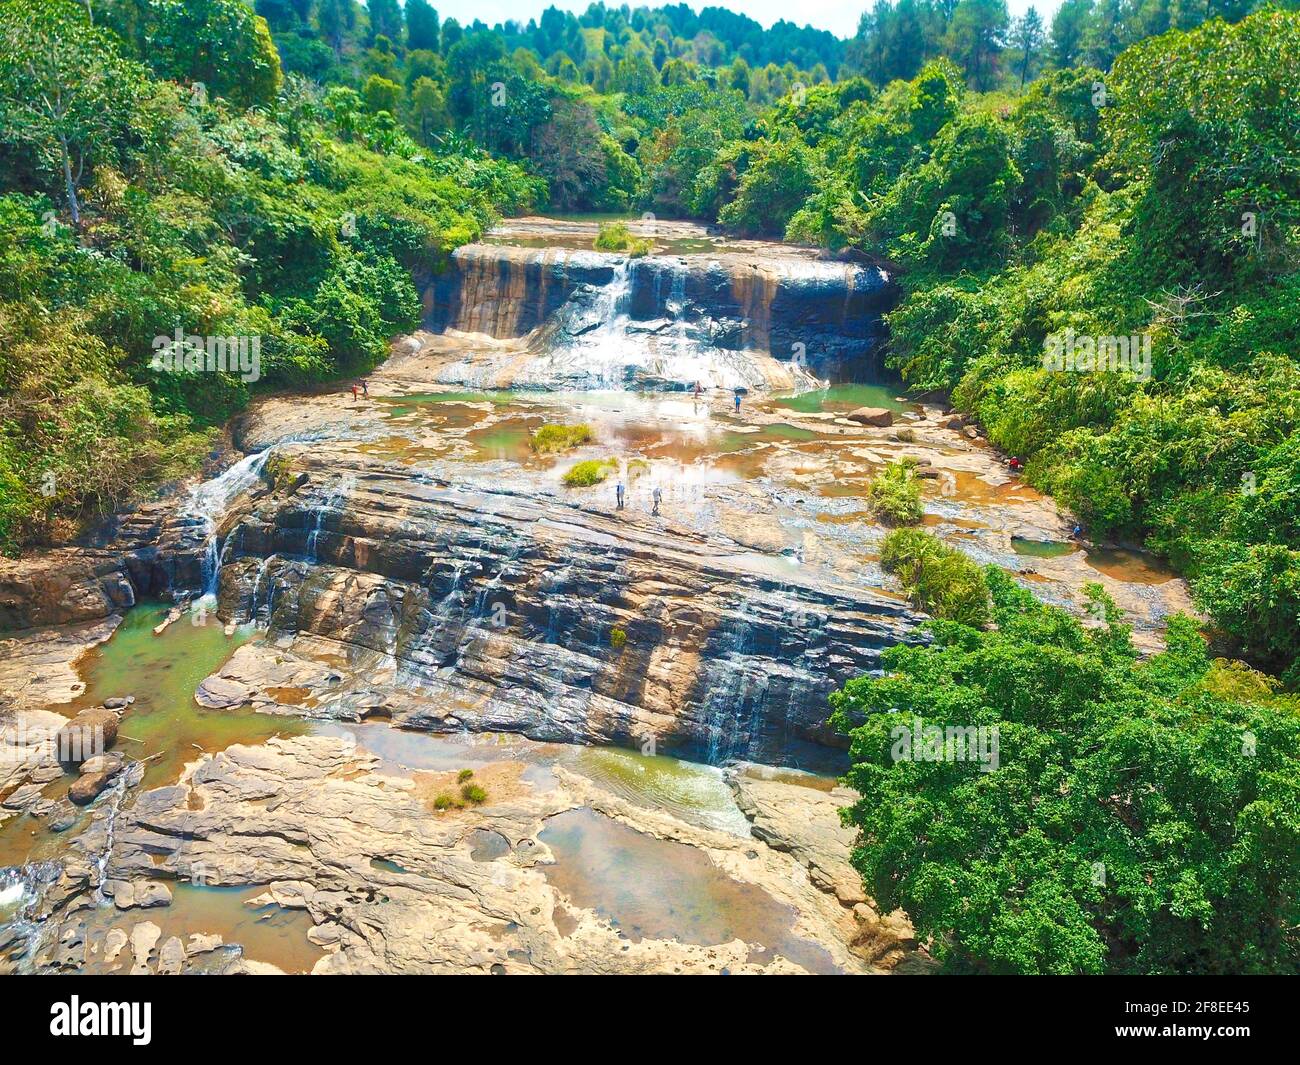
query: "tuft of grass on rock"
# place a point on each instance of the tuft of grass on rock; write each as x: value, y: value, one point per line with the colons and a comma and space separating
x: 937, y: 578
x: 590, y: 472
x: 617, y: 639
x: 615, y: 236
x: 895, y: 495
x: 443, y: 801
x: 551, y: 439
x: 464, y: 775
x: 472, y: 793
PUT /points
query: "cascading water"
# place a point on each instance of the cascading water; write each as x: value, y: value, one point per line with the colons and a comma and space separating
x: 731, y: 687
x: 208, y: 503
x: 594, y: 356
x: 257, y: 586
x: 422, y: 653
x: 329, y: 505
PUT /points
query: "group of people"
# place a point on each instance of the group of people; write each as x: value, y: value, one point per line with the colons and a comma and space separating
x: 736, y: 394
x: 620, y: 493
x: 364, y: 388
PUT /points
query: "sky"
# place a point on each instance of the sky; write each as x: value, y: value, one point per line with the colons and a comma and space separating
x: 839, y: 17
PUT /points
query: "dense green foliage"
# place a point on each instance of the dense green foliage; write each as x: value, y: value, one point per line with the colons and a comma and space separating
x: 132, y: 206
x: 284, y: 170
x: 938, y: 579
x: 895, y: 495
x: 1136, y: 820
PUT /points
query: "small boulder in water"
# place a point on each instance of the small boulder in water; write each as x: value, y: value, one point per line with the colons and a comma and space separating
x: 120, y: 702
x: 88, y: 787
x: 877, y: 416
x: 90, y: 733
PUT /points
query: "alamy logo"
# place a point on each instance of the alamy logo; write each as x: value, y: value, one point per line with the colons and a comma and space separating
x: 77, y: 1018
x: 191, y: 353
x: 919, y: 742
x: 1082, y: 353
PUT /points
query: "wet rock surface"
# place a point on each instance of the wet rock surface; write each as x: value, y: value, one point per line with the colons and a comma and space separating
x: 723, y: 313
x: 391, y: 886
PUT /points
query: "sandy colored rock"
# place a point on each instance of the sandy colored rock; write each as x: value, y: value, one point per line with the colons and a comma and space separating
x: 144, y: 937
x: 114, y: 941
x: 138, y: 894
x: 90, y: 733
x: 877, y: 416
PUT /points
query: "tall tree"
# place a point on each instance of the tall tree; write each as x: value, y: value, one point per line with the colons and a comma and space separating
x: 977, y: 35
x: 385, y: 20
x: 221, y: 44
x: 336, y: 18
x: 1027, y: 38
x: 1068, y: 27
x: 66, y: 94
x: 421, y: 25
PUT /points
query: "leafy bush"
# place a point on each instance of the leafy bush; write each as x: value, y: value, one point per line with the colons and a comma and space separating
x: 549, y: 439
x: 615, y: 236
x: 938, y: 579
x: 895, y: 495
x: 589, y: 472
x: 617, y: 639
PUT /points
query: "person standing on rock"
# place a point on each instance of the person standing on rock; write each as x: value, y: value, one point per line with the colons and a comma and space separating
x: 737, y: 398
x: 619, y: 491
x: 365, y: 388
x: 354, y: 393
x: 656, y: 495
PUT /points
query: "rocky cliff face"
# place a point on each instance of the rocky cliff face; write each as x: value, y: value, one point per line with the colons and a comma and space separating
x: 490, y: 610
x: 590, y: 319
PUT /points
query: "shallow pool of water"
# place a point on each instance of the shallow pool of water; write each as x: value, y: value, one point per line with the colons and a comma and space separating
x: 695, y: 793
x: 840, y: 399
x: 1042, y: 548
x: 657, y: 889
x: 267, y: 933
x: 165, y: 724
x: 1133, y: 567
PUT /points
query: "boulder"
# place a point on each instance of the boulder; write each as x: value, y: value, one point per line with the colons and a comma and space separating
x: 109, y: 762
x: 171, y: 959
x: 137, y: 894
x: 90, y: 733
x: 144, y: 937
x: 877, y: 416
x: 88, y: 787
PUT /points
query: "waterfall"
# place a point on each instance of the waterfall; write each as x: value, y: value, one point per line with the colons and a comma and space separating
x: 730, y: 688
x: 207, y: 505
x: 257, y: 584
x: 423, y: 650
x: 333, y: 501
x: 594, y: 356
